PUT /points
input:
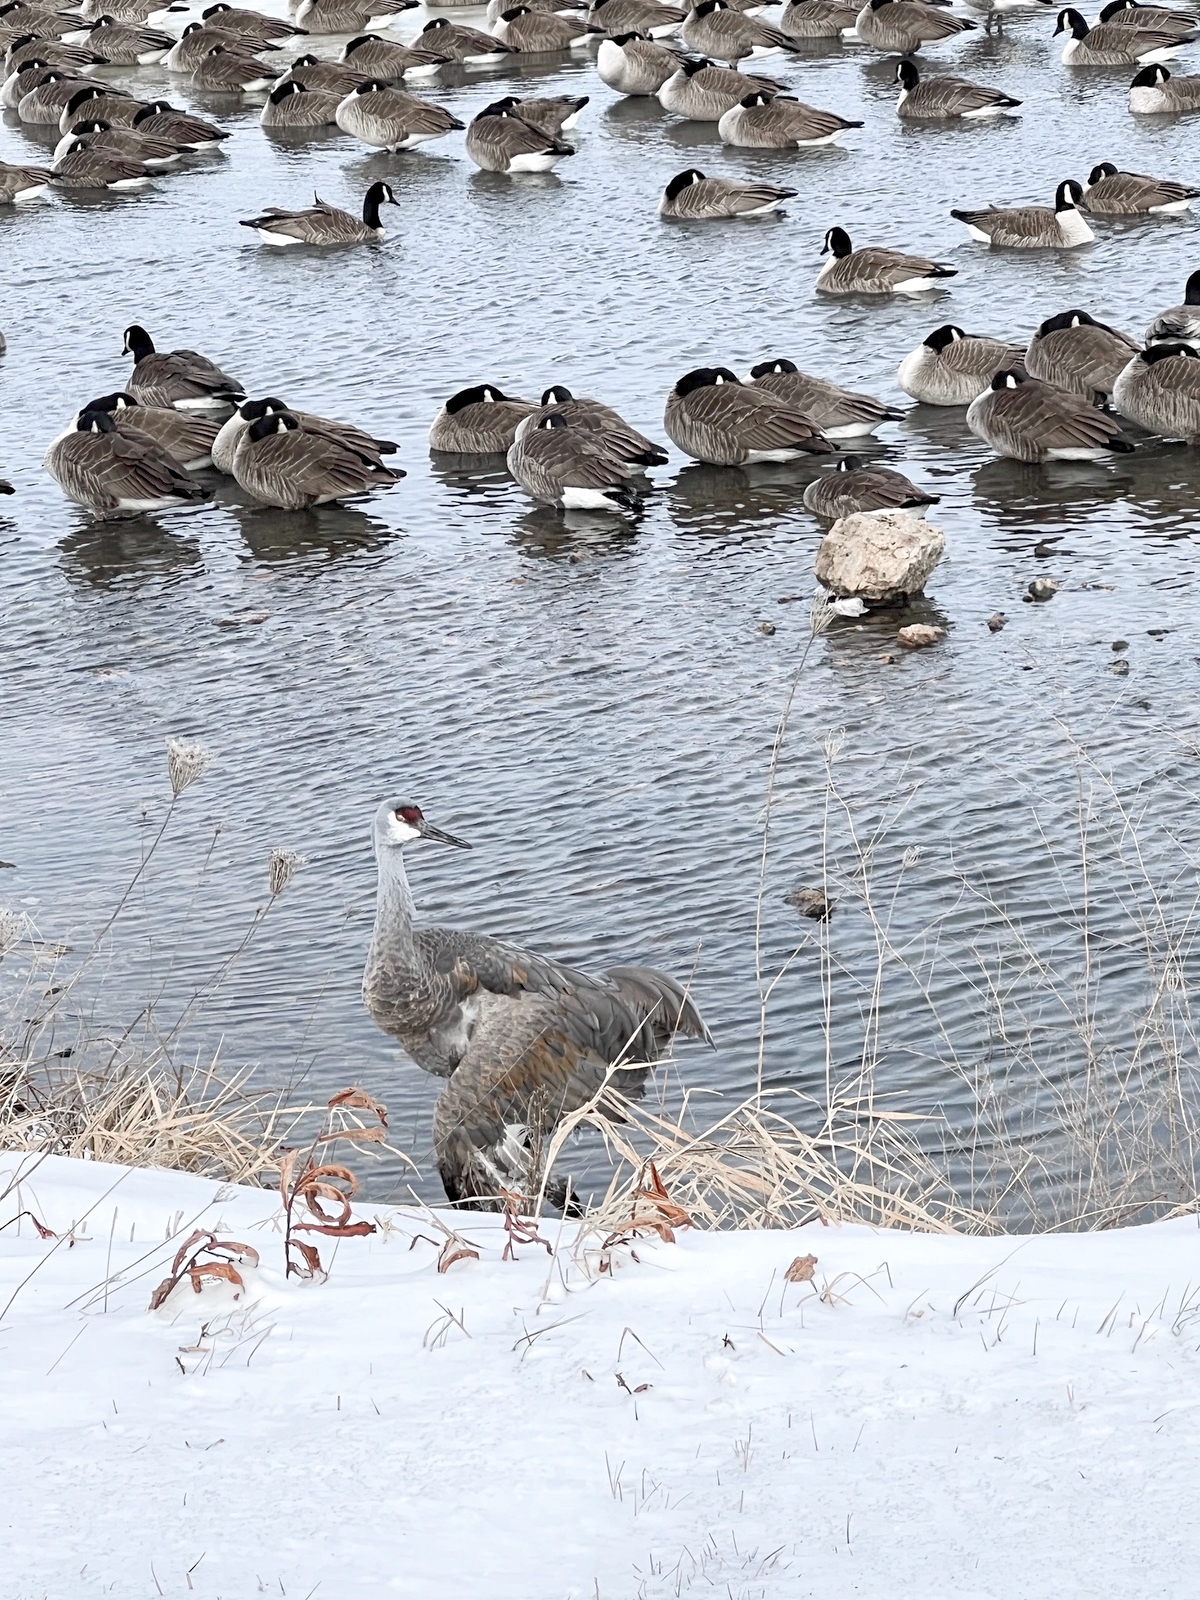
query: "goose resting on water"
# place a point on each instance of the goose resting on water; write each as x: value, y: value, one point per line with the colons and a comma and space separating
x: 578, y: 469
x: 522, y: 1039
x: 1028, y: 420
x: 1160, y: 391
x: 951, y: 367
x: 178, y: 378
x: 281, y: 463
x: 323, y: 224
x: 1181, y: 324
x: 112, y: 474
x: 691, y: 197
x: 854, y: 487
x: 479, y: 421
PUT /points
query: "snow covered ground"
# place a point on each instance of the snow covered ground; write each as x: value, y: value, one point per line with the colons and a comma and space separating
x: 928, y: 1417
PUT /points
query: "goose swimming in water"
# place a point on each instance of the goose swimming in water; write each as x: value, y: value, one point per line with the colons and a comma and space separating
x: 635, y: 64
x: 178, y: 378
x: 691, y: 197
x: 292, y: 105
x: 874, y: 270
x: 500, y: 140
x: 392, y: 119
x: 323, y: 224
x: 233, y: 430
x: 1075, y: 352
x: 1112, y: 44
x: 1032, y: 227
x: 186, y: 438
x: 839, y: 413
x: 854, y: 487
x: 22, y: 183
x: 522, y: 1039
x: 947, y: 99
x: 577, y: 469
x: 703, y: 92
x: 1109, y: 192
x: 765, y: 121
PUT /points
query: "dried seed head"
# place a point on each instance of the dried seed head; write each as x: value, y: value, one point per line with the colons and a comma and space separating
x: 910, y: 857
x: 12, y: 929
x: 282, y: 866
x: 821, y: 614
x: 834, y: 740
x: 185, y: 763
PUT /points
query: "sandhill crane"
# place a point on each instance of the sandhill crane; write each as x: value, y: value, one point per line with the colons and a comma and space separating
x: 522, y: 1040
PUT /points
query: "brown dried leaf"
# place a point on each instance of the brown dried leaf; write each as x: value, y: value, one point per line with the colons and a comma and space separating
x: 364, y: 1135
x: 231, y: 1247
x: 312, y: 1191
x: 455, y: 1249
x: 185, y: 1249
x: 161, y: 1293
x: 312, y: 1261
x: 223, y: 1271
x: 801, y: 1270
x: 287, y: 1165
x: 359, y: 1100
x: 337, y: 1230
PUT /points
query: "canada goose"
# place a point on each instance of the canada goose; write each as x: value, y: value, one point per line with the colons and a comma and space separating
x: 593, y: 416
x: 111, y: 473
x: 564, y: 466
x: 460, y: 43
x: 1075, y: 352
x: 1112, y: 44
x: 819, y: 19
x: 703, y: 92
x: 96, y: 104
x: 1112, y: 193
x: 323, y: 224
x: 875, y: 270
x: 161, y: 120
x: 234, y: 428
x: 553, y: 114
x: 691, y: 197
x: 188, y: 440
x: 256, y: 24
x: 193, y: 44
x: 380, y: 58
x: 1155, y: 92
x: 838, y: 412
x: 852, y: 487
x: 713, y: 417
x: 947, y: 99
x: 178, y: 378
x: 772, y: 122
x: 541, y: 33
x: 21, y: 183
x: 499, y: 140
x: 282, y: 464
x: 495, y: 7
x: 1032, y: 227
x: 119, y: 44
x: 1181, y: 324
x: 1027, y: 420
x: 136, y: 11
x: 617, y: 17
x: 952, y: 368
x: 225, y: 70
x: 291, y: 105
x: 81, y: 167
x: 348, y: 16
x: 715, y: 29
x: 1158, y: 19
x: 392, y: 119
x: 903, y: 26
x: 25, y: 79
x: 479, y: 421
x: 49, y: 54
x: 126, y: 144
x: 324, y: 77
x: 44, y: 103
x: 634, y: 64
x: 996, y: 10
x: 1159, y: 389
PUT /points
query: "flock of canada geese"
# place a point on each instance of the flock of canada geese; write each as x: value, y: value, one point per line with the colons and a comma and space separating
x: 1063, y: 397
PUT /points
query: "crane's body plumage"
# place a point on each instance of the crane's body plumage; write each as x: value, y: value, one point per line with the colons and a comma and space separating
x: 523, y: 1040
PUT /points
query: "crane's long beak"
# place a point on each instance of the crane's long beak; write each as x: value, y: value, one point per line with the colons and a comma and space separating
x: 428, y: 831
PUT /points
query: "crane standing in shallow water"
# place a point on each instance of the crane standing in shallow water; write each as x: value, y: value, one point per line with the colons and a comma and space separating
x: 522, y: 1039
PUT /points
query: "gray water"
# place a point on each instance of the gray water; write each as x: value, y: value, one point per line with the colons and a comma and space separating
x: 591, y: 702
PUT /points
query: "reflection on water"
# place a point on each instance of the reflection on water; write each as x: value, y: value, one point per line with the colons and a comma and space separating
x: 592, y: 700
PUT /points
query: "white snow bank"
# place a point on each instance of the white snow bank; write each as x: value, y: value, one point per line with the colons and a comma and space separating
x: 1010, y: 1418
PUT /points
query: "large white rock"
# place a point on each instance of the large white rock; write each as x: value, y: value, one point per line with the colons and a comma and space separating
x: 879, y: 555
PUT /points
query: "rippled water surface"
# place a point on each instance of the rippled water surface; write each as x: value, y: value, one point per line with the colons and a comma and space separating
x: 591, y: 702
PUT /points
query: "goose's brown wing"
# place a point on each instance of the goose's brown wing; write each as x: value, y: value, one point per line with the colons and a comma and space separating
x: 1058, y: 421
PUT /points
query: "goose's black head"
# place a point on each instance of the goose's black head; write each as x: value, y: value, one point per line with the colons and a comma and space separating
x: 95, y: 422
x: 275, y: 422
x: 623, y: 39
x: 764, y: 368
x: 97, y: 125
x: 704, y: 378
x: 120, y: 401
x: 1073, y: 22
x: 682, y: 181
x: 1068, y: 195
x: 1191, y: 291
x: 759, y: 98
x: 1008, y: 380
x: 479, y: 394
x: 253, y: 410
x: 285, y: 90
x: 849, y: 463
x: 837, y: 244
x: 500, y: 108
x: 1066, y: 319
x: 691, y: 68
x: 1164, y: 352
x: 707, y: 7
x: 907, y: 74
x: 372, y: 86
x: 303, y: 61
x: 941, y: 337
x: 81, y: 98
x: 138, y: 343
x: 1102, y: 169
x: 557, y: 395
x: 552, y: 421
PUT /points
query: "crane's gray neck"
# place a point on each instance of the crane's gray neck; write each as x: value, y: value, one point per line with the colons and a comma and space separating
x: 393, y: 935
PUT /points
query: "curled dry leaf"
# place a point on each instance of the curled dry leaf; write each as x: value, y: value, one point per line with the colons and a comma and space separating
x: 223, y: 1271
x: 337, y: 1230
x: 801, y: 1270
x: 455, y: 1249
x: 359, y: 1100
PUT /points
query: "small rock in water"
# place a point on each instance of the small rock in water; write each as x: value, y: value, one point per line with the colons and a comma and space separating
x: 1120, y: 666
x: 1120, y: 644
x: 810, y: 903
x: 1158, y: 633
x: 1041, y: 589
x: 888, y: 661
x: 919, y: 636
x: 996, y: 621
x: 766, y: 627
x: 1045, y: 547
x: 879, y: 555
